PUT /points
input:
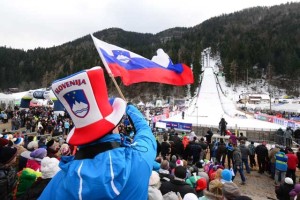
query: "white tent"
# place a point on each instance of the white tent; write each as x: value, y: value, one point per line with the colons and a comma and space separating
x: 6, y: 100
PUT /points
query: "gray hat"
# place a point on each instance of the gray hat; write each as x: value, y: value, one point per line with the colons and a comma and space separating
x: 231, y: 190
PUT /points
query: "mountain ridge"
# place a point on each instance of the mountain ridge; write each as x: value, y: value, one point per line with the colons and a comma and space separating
x: 265, y: 37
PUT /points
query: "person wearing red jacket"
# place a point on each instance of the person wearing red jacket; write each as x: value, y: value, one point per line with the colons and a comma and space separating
x: 292, y: 163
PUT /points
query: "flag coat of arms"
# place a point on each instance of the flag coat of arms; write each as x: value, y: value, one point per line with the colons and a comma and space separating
x: 133, y: 68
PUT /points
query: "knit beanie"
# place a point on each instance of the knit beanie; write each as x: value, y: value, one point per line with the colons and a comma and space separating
x: 39, y: 154
x: 3, y: 142
x: 19, y: 141
x: 179, y: 163
x: 190, y: 196
x: 180, y: 172
x: 50, y: 143
x: 27, y: 178
x: 294, y: 192
x: 49, y: 167
x: 226, y: 176
x: 7, y: 154
x: 231, y: 191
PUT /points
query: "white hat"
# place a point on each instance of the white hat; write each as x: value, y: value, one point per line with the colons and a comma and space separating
x: 190, y: 196
x: 32, y: 145
x: 289, y: 181
x: 154, y: 178
x: 49, y: 167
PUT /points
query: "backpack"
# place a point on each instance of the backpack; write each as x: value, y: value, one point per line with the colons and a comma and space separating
x: 251, y: 149
x: 8, y: 181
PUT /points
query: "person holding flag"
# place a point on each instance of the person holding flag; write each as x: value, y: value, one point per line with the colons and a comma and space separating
x: 106, y: 165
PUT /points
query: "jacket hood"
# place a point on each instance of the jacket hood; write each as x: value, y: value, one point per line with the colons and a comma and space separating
x: 113, y: 173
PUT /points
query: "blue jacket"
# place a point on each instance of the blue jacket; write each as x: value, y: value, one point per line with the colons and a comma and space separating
x: 120, y: 173
x: 281, y: 161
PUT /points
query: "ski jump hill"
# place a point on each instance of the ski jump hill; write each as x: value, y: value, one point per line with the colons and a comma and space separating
x: 210, y: 105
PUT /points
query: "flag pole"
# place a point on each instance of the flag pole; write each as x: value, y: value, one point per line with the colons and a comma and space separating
x: 108, y: 69
x: 117, y: 86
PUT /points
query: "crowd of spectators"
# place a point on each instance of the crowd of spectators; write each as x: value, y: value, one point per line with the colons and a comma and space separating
x: 186, y: 166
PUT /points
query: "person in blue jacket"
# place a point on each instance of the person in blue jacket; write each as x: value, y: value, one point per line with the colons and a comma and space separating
x: 106, y: 166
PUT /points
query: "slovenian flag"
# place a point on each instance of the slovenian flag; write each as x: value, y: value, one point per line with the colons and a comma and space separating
x: 133, y: 68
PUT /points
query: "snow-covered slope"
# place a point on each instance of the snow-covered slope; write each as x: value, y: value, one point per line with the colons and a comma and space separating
x: 211, y: 105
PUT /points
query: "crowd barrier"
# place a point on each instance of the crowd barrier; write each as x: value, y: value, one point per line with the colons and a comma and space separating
x: 277, y: 120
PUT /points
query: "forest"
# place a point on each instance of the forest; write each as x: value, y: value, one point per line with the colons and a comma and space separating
x: 258, y: 40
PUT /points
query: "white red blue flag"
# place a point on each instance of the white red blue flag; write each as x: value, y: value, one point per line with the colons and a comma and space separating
x: 133, y: 68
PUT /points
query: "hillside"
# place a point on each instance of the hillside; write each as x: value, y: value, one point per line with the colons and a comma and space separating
x: 265, y: 41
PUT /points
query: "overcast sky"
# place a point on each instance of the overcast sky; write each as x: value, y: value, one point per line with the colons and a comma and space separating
x: 28, y: 24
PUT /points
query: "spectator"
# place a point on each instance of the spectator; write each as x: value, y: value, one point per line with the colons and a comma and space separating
x: 222, y: 126
x: 29, y: 139
x: 18, y: 143
x: 204, y: 149
x: 221, y: 152
x: 52, y: 149
x: 42, y: 142
x: 280, y: 167
x: 272, y: 159
x: 230, y: 191
x: 201, y: 185
x: 33, y: 145
x: 292, y: 163
x: 233, y: 139
x: 178, y: 184
x: 226, y: 176
x: 208, y: 136
x: 164, y: 172
x: 214, y: 192
x: 190, y: 196
x: 165, y: 147
x: 26, y: 178
x: 153, y: 188
x: 242, y: 137
x: 7, y: 170
x: 34, y: 161
x: 252, y: 154
x: 65, y: 150
x: 282, y: 192
x: 245, y: 154
x: 294, y: 192
x: 3, y: 142
x: 262, y: 156
x: 229, y: 149
x: 193, y: 176
x: 238, y: 164
x: 125, y: 167
x: 49, y: 167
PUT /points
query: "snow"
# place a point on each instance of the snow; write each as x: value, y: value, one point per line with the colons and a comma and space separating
x: 210, y: 105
